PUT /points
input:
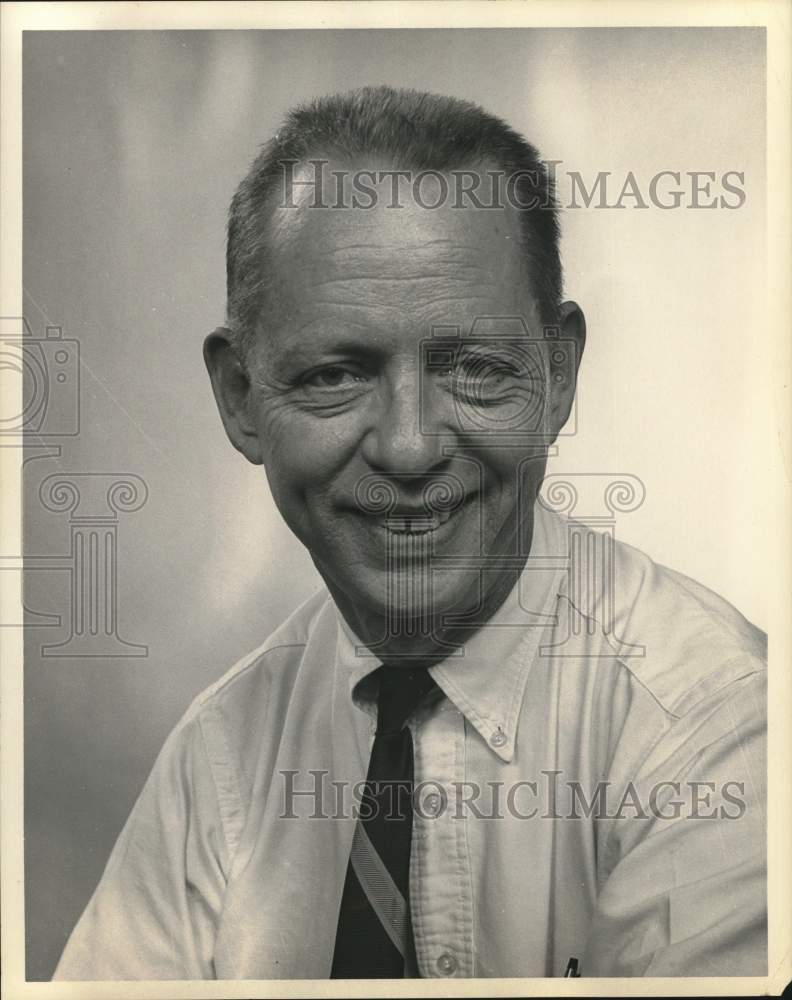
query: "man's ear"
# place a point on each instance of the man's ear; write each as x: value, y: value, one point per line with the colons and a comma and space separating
x: 563, y: 372
x: 231, y: 387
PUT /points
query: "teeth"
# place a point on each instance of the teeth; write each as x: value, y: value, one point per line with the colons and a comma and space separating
x: 411, y: 525
x: 414, y: 524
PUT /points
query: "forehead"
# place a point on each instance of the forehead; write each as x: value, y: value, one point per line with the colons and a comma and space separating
x: 408, y: 257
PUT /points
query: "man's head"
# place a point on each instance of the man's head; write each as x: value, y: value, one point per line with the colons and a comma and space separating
x: 384, y: 129
x: 385, y: 356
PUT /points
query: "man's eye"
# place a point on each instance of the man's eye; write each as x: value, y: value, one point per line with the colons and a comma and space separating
x: 476, y: 376
x: 333, y: 377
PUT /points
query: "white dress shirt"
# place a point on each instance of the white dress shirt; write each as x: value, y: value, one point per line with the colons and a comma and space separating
x: 634, y: 684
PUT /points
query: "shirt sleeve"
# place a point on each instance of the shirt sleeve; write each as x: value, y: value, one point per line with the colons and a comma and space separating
x: 683, y: 864
x: 155, y: 910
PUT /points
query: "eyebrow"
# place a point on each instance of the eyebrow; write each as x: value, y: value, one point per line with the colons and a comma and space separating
x: 303, y: 345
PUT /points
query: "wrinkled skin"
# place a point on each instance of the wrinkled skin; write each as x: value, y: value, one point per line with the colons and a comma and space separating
x: 336, y: 388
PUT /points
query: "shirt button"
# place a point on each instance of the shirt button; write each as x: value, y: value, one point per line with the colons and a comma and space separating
x: 446, y: 964
x: 498, y: 738
x: 432, y: 804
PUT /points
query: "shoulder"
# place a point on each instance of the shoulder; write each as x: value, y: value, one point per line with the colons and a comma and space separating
x: 271, y: 665
x: 655, y: 627
x: 680, y: 640
x: 248, y: 701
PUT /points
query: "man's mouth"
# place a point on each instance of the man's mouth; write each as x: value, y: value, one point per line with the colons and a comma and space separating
x: 414, y: 524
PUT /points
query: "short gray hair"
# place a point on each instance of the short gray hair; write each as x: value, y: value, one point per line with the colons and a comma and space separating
x: 418, y: 131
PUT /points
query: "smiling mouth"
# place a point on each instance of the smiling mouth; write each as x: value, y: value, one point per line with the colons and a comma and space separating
x: 414, y: 524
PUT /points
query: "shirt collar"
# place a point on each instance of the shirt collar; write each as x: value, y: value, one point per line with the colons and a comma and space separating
x: 487, y: 678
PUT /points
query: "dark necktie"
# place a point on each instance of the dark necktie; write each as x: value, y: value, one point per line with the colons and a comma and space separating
x: 374, y: 939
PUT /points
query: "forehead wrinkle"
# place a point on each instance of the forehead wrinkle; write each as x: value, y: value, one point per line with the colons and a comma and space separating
x: 401, y: 266
x: 420, y: 244
x: 472, y: 288
x: 452, y: 253
x: 390, y: 279
x: 370, y: 298
x: 328, y: 315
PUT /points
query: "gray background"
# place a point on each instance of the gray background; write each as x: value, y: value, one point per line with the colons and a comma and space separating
x: 133, y: 145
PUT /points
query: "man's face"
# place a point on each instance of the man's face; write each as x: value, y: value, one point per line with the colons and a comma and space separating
x: 360, y: 427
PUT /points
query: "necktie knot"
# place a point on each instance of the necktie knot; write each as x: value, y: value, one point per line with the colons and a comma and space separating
x: 401, y: 690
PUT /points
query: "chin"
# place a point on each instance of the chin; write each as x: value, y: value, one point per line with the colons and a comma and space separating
x: 414, y: 598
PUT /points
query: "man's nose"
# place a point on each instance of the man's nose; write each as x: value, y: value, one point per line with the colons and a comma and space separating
x: 406, y: 437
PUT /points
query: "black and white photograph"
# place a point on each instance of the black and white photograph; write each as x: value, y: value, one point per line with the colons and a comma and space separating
x: 395, y: 404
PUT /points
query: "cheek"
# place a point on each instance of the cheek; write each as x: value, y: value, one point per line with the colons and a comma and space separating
x: 295, y: 481
x: 507, y: 472
x: 303, y: 455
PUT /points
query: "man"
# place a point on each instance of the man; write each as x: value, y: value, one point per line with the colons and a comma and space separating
x: 583, y: 765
